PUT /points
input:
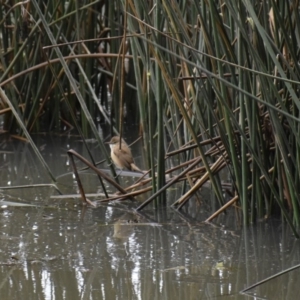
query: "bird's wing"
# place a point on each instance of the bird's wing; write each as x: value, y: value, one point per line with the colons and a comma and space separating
x: 125, y: 158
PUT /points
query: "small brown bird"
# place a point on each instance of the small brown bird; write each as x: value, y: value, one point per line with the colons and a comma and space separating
x: 121, y: 156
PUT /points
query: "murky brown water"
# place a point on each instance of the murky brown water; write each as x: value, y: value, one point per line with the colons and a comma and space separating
x: 53, y: 248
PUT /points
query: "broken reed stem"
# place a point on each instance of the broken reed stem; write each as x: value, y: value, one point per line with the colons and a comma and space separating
x: 139, y: 192
x: 99, y: 172
x: 229, y: 203
x: 125, y: 196
x: 216, y: 166
x: 216, y: 141
x: 80, y: 187
x: 169, y: 184
x: 190, y: 147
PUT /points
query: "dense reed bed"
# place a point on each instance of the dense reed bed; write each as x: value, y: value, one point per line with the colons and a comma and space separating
x: 216, y: 81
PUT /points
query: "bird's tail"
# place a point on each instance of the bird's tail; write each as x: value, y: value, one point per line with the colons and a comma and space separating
x: 137, y: 169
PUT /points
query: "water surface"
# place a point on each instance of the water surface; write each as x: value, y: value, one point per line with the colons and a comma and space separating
x: 54, y: 248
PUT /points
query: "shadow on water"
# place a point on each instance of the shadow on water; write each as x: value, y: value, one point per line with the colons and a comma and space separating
x: 56, y: 249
